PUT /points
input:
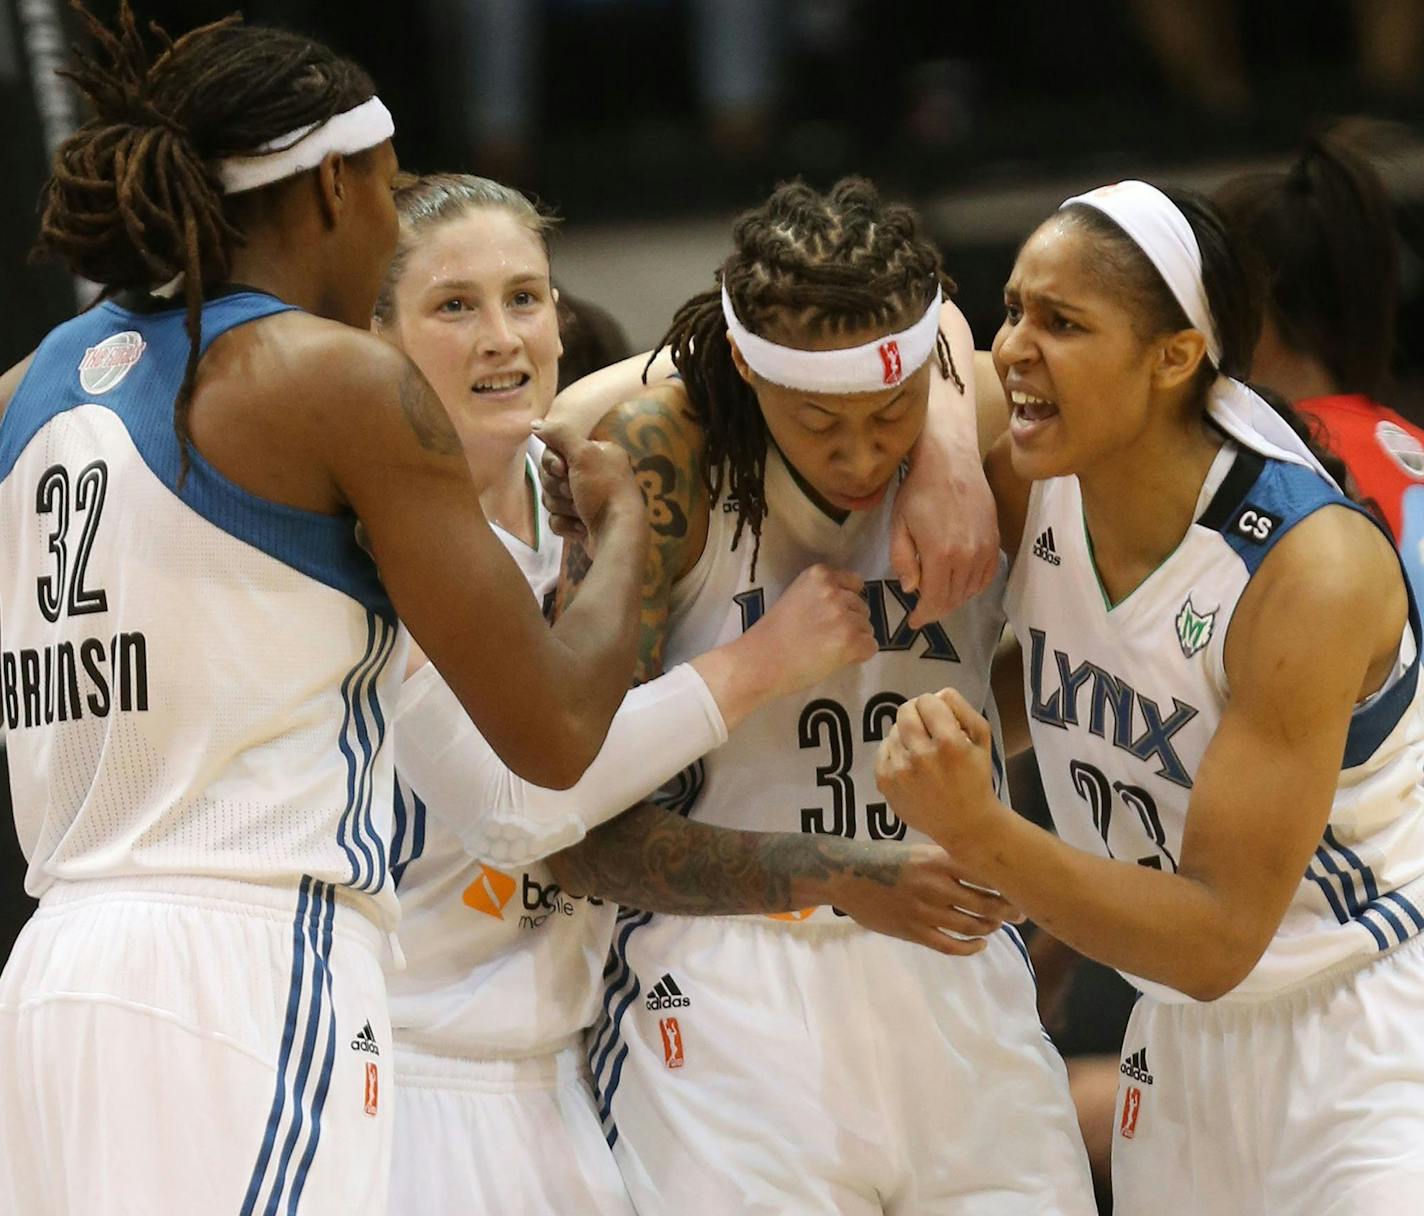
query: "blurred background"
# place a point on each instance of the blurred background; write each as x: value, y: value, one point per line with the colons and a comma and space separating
x: 647, y: 124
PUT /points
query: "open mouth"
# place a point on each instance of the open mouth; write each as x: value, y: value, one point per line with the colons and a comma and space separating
x: 1030, y: 409
x: 505, y: 383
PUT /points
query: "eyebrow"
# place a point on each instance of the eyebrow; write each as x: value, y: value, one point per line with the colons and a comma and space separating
x: 880, y: 410
x: 1050, y: 301
x: 470, y: 285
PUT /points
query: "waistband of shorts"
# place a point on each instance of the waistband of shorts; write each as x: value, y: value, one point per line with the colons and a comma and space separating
x: 1302, y: 992
x: 277, y: 900
x: 417, y: 1069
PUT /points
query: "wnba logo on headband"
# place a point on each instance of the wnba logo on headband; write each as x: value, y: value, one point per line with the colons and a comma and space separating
x: 890, y: 359
x: 871, y: 367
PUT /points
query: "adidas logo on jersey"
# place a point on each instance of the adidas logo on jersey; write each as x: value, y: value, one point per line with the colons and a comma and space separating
x: 365, y: 1040
x: 1135, y: 1066
x: 666, y: 994
x: 1043, y: 547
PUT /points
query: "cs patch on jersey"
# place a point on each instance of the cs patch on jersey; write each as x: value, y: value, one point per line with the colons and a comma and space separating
x: 1254, y: 524
x: 1194, y: 628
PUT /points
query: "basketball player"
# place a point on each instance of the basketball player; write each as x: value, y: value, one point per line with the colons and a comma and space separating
x: 1326, y: 233
x: 791, y: 1061
x: 200, y: 659
x: 502, y: 976
x: 1224, y: 696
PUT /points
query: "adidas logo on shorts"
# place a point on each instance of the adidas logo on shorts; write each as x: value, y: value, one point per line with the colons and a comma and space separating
x: 1043, y: 547
x: 665, y: 994
x: 365, y: 1040
x: 1135, y: 1066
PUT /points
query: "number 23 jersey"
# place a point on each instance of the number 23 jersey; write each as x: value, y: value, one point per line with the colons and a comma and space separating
x: 1123, y: 701
x: 806, y: 763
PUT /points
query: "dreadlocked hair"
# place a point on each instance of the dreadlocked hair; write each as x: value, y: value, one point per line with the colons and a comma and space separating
x: 803, y: 264
x: 135, y: 199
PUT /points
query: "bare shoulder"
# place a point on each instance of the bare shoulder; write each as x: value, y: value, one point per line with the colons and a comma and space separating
x: 10, y: 381
x: 658, y: 416
x: 1331, y: 588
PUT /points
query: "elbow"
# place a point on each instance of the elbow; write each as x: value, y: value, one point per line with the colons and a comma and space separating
x: 1219, y: 966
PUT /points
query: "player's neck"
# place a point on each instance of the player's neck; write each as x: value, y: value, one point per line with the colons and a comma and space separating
x: 1139, y: 503
x: 507, y: 498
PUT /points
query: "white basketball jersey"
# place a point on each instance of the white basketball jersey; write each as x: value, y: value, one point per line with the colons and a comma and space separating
x: 806, y: 763
x: 196, y: 681
x: 1123, y: 701
x: 499, y: 962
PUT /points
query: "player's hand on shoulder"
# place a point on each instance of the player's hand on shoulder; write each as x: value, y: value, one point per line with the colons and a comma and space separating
x: 599, y: 478
x: 816, y: 626
x: 918, y: 893
x: 935, y: 767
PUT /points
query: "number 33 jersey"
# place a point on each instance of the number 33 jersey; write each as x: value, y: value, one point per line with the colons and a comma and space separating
x: 806, y: 763
x: 195, y: 680
x: 1123, y: 701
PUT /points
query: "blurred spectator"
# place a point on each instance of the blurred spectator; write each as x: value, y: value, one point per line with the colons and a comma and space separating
x: 495, y: 51
x: 1326, y: 235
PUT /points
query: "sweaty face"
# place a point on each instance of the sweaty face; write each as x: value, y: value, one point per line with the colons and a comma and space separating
x: 475, y: 310
x: 847, y: 447
x: 1077, y: 376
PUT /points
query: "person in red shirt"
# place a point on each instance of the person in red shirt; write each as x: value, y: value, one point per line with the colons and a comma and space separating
x: 1325, y: 231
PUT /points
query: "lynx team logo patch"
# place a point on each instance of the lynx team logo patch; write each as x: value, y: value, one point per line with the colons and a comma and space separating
x: 103, y: 366
x: 1194, y: 628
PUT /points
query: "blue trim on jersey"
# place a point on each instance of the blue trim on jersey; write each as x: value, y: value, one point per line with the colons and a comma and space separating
x: 366, y: 850
x: 1371, y: 726
x: 412, y: 820
x: 619, y: 950
x: 323, y: 547
x: 1323, y: 882
x: 1289, y: 493
x: 289, y: 1031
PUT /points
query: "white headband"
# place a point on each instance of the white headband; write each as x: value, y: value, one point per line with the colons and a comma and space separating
x: 869, y: 368
x: 1162, y: 232
x: 353, y: 131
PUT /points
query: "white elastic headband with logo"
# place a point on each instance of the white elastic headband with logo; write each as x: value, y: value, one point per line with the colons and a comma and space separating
x: 1162, y: 232
x: 871, y: 367
x: 352, y: 131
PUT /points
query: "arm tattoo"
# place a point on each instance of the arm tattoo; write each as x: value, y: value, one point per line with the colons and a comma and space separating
x: 656, y: 860
x: 666, y: 448
x: 427, y: 417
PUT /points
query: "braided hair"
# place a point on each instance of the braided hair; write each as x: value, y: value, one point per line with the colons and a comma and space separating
x: 134, y: 199
x: 808, y: 264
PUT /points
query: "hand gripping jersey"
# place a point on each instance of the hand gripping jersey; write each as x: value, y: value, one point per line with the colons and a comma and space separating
x: 499, y: 961
x: 1123, y: 701
x: 806, y: 763
x: 196, y: 681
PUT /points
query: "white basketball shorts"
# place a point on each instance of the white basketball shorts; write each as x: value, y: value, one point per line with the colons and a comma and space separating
x: 1308, y: 1103
x: 499, y: 1137
x: 176, y: 1046
x: 750, y: 1066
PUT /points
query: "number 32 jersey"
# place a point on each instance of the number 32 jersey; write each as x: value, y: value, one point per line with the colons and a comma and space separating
x: 1123, y: 701
x: 194, y: 680
x: 806, y: 763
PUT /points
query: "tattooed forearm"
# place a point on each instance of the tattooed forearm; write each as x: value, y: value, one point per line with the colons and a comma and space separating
x: 658, y: 861
x: 427, y: 417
